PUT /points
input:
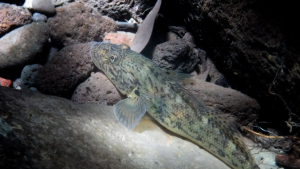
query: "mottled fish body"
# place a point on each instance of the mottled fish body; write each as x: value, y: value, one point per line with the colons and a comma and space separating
x: 157, y: 91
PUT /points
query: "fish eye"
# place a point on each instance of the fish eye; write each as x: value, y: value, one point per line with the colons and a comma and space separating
x: 113, y: 58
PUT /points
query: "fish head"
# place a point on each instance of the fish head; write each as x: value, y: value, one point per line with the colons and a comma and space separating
x: 115, y: 61
x: 108, y: 57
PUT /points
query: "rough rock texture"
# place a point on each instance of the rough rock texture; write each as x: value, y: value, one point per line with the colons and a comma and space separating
x: 250, y: 41
x: 97, y: 89
x: 67, y: 69
x: 244, y: 109
x: 39, y: 131
x: 42, y: 6
x: 38, y: 17
x: 121, y: 10
x: 176, y: 55
x: 21, y: 47
x: 119, y: 38
x: 77, y: 23
x: 12, y: 16
x: 28, y: 76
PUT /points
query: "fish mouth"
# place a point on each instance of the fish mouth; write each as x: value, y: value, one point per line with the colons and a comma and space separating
x: 97, y: 57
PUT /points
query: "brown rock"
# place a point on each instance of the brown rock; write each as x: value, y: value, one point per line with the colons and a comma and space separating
x: 97, y: 89
x: 12, y: 16
x: 77, y: 23
x: 67, y: 69
x: 226, y: 100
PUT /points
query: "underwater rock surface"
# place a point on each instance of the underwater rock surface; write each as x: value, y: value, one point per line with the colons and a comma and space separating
x: 40, y: 131
x: 28, y: 76
x: 76, y: 23
x: 97, y: 89
x: 42, y: 6
x: 176, y: 55
x: 243, y: 108
x: 21, y: 46
x: 252, y: 43
x: 65, y: 70
x: 12, y: 16
x: 38, y: 17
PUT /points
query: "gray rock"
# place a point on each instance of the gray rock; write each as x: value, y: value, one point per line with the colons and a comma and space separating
x: 66, y: 70
x: 176, y: 55
x: 42, y: 6
x: 86, y: 136
x: 52, y: 132
x: 38, y: 17
x: 76, y: 23
x: 28, y: 76
x: 12, y: 16
x: 97, y: 89
x: 21, y: 46
x: 17, y: 83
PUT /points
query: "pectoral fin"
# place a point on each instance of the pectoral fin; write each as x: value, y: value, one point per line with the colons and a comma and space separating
x: 130, y: 111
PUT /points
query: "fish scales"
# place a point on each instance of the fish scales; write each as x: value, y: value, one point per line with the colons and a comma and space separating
x: 170, y: 104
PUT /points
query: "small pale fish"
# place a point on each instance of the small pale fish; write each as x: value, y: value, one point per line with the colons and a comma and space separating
x: 157, y: 91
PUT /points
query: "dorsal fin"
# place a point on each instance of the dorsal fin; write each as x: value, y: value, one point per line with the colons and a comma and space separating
x: 176, y: 76
x: 144, y: 32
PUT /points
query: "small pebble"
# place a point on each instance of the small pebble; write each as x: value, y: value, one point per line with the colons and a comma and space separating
x: 5, y: 82
x: 38, y: 17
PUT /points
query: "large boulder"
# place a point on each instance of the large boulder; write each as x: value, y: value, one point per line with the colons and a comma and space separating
x: 21, y: 47
x: 66, y: 70
x: 243, y: 108
x: 76, y: 23
x: 97, y: 89
x: 40, y: 131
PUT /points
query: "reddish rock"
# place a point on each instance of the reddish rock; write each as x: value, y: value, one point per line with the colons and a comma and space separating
x: 5, y: 82
x: 119, y: 38
x: 76, y: 23
x: 12, y: 16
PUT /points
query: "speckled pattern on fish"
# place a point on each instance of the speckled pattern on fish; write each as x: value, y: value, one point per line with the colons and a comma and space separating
x: 157, y: 91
